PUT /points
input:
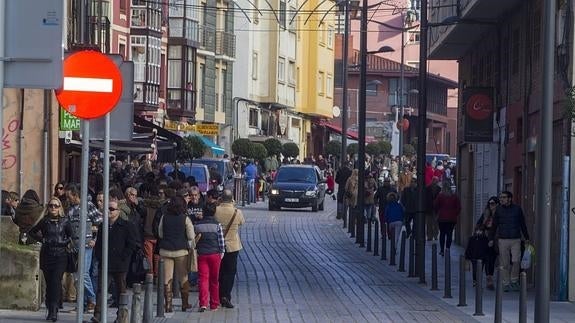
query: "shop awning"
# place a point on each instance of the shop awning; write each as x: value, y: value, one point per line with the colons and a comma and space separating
x: 217, y: 150
x: 350, y: 134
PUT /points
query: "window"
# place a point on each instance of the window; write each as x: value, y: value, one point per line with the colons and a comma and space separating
x: 292, y: 23
x: 413, y: 36
x: 253, y: 118
x: 138, y: 18
x: 320, y: 83
x: 281, y: 69
x: 519, y: 131
x: 371, y: 89
x: 254, y: 65
x: 122, y: 50
x: 291, y: 73
x: 329, y: 86
x: 330, y: 37
x: 138, y: 56
x: 320, y: 34
x: 202, y: 85
x: 123, y: 6
x: 256, y: 16
x: 282, y: 14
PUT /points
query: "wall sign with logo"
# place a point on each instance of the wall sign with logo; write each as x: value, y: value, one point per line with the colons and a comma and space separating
x: 478, y: 110
x: 68, y: 122
x: 208, y: 129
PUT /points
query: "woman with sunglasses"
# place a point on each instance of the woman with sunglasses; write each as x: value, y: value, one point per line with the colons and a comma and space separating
x: 60, y: 193
x: 54, y: 231
x: 485, y: 223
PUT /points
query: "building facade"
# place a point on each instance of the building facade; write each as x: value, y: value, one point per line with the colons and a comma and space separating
x: 500, y: 48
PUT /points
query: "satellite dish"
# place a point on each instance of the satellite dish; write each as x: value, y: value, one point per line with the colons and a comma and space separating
x: 335, y: 111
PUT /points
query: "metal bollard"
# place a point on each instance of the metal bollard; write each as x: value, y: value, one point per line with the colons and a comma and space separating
x: 383, y: 227
x: 402, y: 252
x: 479, y: 290
x: 148, y: 301
x: 392, y: 249
x: 434, y: 267
x: 243, y: 185
x: 368, y: 247
x: 160, y: 290
x: 344, y: 215
x: 376, y: 238
x: 523, y: 298
x: 123, y: 310
x: 462, y: 296
x: 411, y: 272
x: 136, y: 314
x: 499, y: 296
x: 447, y: 289
x: 351, y: 216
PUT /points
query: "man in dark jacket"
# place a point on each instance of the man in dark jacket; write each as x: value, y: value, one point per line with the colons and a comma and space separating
x: 341, y: 177
x: 409, y: 203
x: 122, y: 244
x: 381, y: 200
x: 508, y: 225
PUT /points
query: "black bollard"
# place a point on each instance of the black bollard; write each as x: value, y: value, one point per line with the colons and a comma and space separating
x: 148, y: 301
x: 402, y: 252
x: 383, y: 241
x: 351, y: 229
x: 392, y: 248
x: 499, y: 296
x: 368, y: 247
x: 434, y: 267
x: 411, y: 272
x: 376, y: 238
x: 243, y: 192
x: 344, y: 215
x: 479, y: 290
x: 447, y: 289
x: 523, y: 298
x: 462, y: 296
x: 160, y: 290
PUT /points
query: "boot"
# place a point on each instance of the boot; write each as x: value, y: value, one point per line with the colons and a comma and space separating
x: 185, y: 293
x: 54, y: 311
x: 490, y: 285
x: 168, y: 296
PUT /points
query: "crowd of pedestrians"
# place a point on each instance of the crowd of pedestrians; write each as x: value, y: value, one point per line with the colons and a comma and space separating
x: 499, y: 235
x: 152, y: 216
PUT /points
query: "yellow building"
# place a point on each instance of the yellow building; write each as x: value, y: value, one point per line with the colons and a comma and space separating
x: 315, y: 71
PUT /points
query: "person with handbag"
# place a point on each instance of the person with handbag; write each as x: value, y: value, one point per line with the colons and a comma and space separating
x: 122, y: 243
x: 232, y: 218
x: 211, y: 248
x: 54, y: 231
x: 176, y: 233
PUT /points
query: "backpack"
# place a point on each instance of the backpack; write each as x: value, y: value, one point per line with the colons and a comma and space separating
x: 477, y: 247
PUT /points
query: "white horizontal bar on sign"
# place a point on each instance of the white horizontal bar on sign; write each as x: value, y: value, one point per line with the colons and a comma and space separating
x: 88, y: 84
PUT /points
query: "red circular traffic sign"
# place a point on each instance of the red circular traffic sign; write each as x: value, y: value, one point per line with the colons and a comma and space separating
x: 92, y: 85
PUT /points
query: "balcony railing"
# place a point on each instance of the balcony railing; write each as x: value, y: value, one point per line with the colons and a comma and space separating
x: 225, y: 44
x: 207, y: 38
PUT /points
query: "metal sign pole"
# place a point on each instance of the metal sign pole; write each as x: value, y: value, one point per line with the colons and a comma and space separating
x: 2, y: 51
x: 83, y: 218
x: 105, y: 223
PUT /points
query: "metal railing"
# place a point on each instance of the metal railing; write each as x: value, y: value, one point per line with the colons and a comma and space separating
x: 207, y: 38
x: 225, y: 44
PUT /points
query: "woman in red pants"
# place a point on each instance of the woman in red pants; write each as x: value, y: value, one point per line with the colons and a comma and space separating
x: 210, y: 247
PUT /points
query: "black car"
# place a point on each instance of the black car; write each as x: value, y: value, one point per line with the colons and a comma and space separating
x: 297, y: 186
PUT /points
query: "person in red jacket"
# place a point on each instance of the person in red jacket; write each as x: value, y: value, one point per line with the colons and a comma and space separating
x: 448, y: 206
x: 429, y: 172
x: 330, y: 184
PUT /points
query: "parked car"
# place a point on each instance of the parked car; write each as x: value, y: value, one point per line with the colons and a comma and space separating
x: 297, y: 186
x: 199, y: 171
x: 224, y: 167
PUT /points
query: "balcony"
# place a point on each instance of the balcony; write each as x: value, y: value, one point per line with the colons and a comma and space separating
x: 207, y: 37
x: 225, y: 44
x: 475, y: 18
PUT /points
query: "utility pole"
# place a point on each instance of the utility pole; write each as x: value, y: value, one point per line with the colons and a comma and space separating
x: 344, y: 106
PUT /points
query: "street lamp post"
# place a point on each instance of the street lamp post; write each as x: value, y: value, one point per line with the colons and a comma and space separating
x: 361, y: 124
x: 421, y: 146
x: 344, y: 104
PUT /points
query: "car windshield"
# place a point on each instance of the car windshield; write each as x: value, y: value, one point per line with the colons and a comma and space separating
x: 218, y: 165
x: 289, y: 174
x: 199, y: 174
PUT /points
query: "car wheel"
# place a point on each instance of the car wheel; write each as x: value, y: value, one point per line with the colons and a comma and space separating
x: 321, y: 206
x: 314, y: 207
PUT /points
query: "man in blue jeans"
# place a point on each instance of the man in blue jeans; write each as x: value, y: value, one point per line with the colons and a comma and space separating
x: 94, y: 218
x: 251, y: 176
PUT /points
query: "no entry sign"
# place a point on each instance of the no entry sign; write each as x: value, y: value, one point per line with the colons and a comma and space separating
x: 92, y: 85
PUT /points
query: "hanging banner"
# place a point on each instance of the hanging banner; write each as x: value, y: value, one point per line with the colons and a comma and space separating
x: 478, y: 109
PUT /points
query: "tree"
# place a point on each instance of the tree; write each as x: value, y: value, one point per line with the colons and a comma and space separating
x: 408, y: 150
x: 190, y: 147
x: 289, y: 149
x: 273, y: 146
x: 259, y: 151
x: 243, y: 147
x: 333, y: 148
x: 372, y: 149
x: 384, y: 147
x: 352, y: 149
